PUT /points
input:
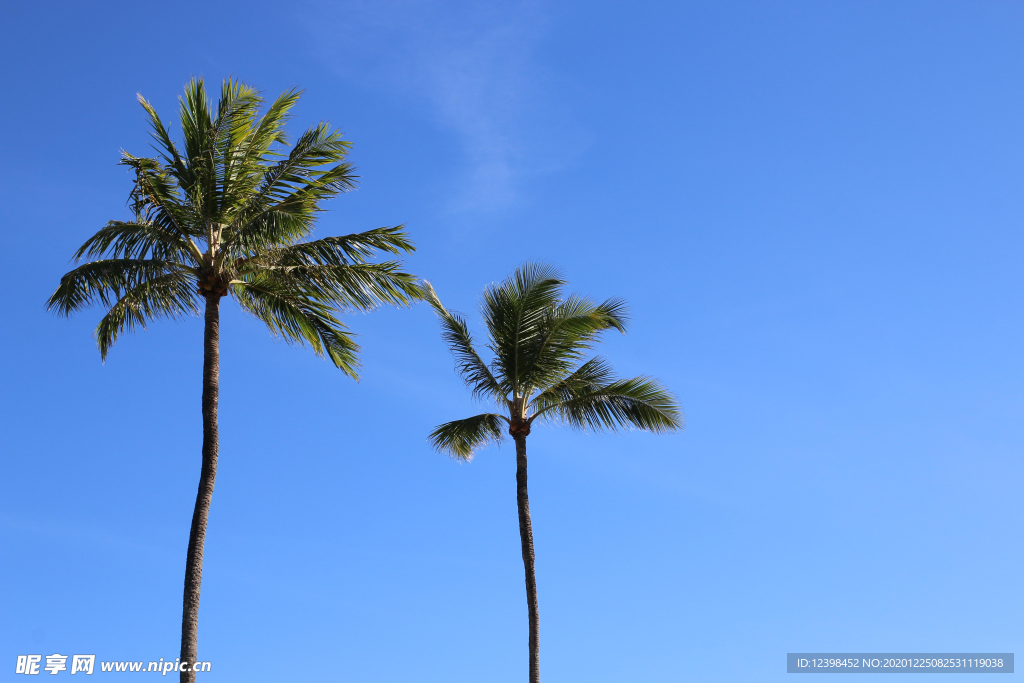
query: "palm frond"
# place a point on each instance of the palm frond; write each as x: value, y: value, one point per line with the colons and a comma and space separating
x: 335, y: 270
x: 171, y: 295
x: 253, y: 146
x: 282, y: 208
x: 299, y: 318
x: 139, y: 240
x: 238, y: 167
x: 211, y: 143
x: 588, y: 378
x: 195, y: 115
x: 270, y: 130
x: 469, y: 365
x: 157, y: 197
x: 513, y: 311
x: 106, y: 281
x: 462, y: 437
x: 343, y: 250
x: 357, y: 287
x: 270, y: 229
x: 566, y: 332
x: 166, y: 147
x: 590, y: 400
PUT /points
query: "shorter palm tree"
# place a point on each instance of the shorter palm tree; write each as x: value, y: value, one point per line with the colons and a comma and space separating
x: 539, y: 339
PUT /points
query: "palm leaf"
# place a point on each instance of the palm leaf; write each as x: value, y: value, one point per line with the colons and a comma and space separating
x: 158, y: 197
x: 470, y: 366
x: 589, y: 377
x: 356, y: 287
x: 345, y: 249
x: 293, y: 187
x: 588, y: 401
x: 106, y: 281
x: 565, y: 333
x: 168, y: 150
x: 139, y: 240
x: 171, y: 295
x: 462, y: 437
x: 296, y: 317
x: 512, y: 312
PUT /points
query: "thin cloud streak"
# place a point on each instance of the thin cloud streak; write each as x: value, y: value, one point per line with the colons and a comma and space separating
x: 474, y: 65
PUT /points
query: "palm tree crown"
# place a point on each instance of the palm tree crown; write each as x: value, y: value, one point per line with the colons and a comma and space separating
x: 228, y: 213
x: 539, y: 339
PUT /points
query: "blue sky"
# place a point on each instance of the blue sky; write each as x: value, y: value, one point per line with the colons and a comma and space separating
x: 814, y: 210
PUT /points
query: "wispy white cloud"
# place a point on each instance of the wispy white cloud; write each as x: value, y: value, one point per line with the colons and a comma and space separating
x: 475, y: 65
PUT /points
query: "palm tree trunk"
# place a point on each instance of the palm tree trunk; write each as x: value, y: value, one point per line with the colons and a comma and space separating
x: 197, y: 536
x: 526, y: 536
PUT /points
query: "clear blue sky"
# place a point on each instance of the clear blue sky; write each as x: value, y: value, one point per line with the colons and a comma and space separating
x: 814, y: 209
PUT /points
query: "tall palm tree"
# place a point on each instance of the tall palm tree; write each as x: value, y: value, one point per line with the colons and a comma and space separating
x: 228, y: 213
x: 538, y: 339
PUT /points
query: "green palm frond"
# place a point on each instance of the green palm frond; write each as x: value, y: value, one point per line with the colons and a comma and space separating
x: 211, y: 142
x: 165, y: 146
x: 513, y: 311
x: 139, y: 240
x: 270, y: 129
x: 253, y: 150
x: 268, y: 230
x: 296, y: 317
x: 335, y: 269
x: 106, y: 281
x: 462, y: 437
x: 158, y: 198
x: 346, y: 249
x: 589, y: 377
x: 470, y: 366
x: 195, y: 116
x: 356, y: 287
x: 172, y: 295
x: 566, y: 332
x: 588, y: 403
x: 282, y: 208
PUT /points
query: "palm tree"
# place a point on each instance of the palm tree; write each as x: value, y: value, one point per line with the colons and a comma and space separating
x: 228, y: 214
x: 538, y: 339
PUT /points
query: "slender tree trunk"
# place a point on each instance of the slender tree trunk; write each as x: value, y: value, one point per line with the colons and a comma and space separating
x: 197, y: 536
x: 526, y: 536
